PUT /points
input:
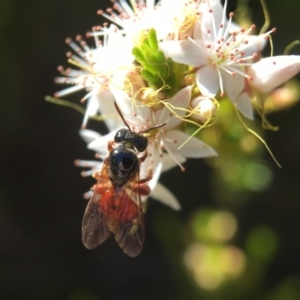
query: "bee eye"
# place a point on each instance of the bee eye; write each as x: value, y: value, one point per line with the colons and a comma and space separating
x: 141, y: 143
x: 121, y: 135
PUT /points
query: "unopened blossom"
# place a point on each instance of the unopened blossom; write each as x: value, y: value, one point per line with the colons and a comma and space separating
x: 205, y: 108
x: 220, y: 57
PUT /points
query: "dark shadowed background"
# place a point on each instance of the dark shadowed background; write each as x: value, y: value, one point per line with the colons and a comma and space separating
x: 41, y: 204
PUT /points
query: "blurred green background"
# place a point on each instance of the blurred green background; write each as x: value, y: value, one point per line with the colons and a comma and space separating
x: 237, y: 235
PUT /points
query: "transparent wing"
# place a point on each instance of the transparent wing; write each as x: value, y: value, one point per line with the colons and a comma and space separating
x: 131, y: 236
x: 94, y: 224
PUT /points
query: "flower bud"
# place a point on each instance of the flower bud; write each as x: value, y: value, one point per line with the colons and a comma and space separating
x: 204, y: 108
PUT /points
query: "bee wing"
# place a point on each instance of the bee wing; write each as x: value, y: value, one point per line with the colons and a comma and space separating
x: 94, y: 224
x: 94, y: 228
x: 131, y: 236
x: 130, y: 230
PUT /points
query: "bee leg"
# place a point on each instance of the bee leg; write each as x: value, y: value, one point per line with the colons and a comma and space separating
x: 143, y: 189
x: 110, y: 146
x: 141, y: 186
x: 144, y: 156
x: 149, y: 175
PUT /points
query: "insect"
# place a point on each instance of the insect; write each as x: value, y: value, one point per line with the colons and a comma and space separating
x: 115, y: 206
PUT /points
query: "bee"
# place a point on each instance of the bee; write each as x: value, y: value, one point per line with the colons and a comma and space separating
x: 115, y: 206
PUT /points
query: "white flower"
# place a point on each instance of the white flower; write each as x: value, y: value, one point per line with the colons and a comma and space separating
x: 170, y: 19
x: 97, y: 67
x: 166, y: 138
x: 270, y: 72
x: 220, y: 56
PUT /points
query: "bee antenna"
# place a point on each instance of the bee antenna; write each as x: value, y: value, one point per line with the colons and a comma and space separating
x: 151, y: 128
x: 120, y: 114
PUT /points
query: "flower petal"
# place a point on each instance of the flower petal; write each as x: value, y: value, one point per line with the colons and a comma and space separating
x: 108, y: 111
x: 91, y: 109
x: 169, y: 162
x: 155, y: 176
x: 89, y: 135
x: 123, y: 101
x: 197, y: 34
x: 193, y: 148
x: 163, y: 195
x: 235, y: 88
x: 270, y: 72
x: 179, y: 102
x: 207, y: 80
x: 189, y: 52
x: 213, y: 15
x: 100, y: 144
x: 135, y: 116
x: 255, y: 44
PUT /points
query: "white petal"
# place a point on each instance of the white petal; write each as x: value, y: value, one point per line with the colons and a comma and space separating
x: 156, y: 175
x: 135, y: 116
x: 234, y: 27
x: 154, y: 162
x: 169, y: 163
x: 124, y: 102
x: 108, y: 110
x: 244, y: 105
x: 197, y: 35
x: 186, y: 52
x: 255, y: 44
x: 163, y: 195
x: 91, y: 109
x: 235, y: 88
x: 89, y: 135
x: 208, y: 81
x: 180, y: 101
x: 100, y: 145
x: 194, y: 148
x: 213, y: 15
x: 270, y: 72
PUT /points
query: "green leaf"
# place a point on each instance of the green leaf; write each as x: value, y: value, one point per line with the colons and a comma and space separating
x: 153, y: 40
x: 152, y: 79
x: 138, y: 54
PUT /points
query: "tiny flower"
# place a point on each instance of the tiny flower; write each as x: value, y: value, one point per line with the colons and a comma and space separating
x: 270, y: 72
x: 96, y: 68
x: 205, y: 107
x: 168, y: 138
x: 170, y: 19
x: 220, y: 57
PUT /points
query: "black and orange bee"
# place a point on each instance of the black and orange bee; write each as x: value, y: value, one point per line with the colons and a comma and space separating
x: 115, y: 206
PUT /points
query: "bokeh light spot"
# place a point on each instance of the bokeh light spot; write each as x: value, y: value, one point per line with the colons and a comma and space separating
x: 222, y: 226
x: 212, y: 266
x: 262, y: 243
x: 214, y: 226
x: 257, y: 176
